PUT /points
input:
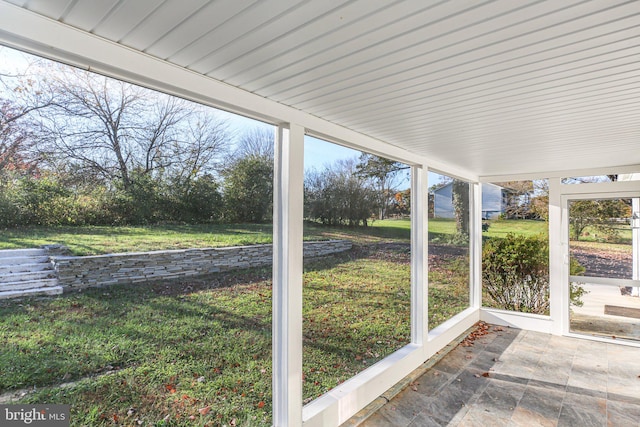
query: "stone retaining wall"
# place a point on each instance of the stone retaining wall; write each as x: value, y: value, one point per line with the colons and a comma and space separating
x: 100, y: 270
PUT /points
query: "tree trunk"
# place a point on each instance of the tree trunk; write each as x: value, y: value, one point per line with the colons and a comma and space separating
x: 460, y: 200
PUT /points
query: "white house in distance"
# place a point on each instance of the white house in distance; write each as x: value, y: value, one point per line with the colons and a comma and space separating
x: 493, y: 201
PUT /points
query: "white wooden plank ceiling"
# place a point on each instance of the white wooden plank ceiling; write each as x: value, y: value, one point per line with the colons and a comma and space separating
x: 494, y: 87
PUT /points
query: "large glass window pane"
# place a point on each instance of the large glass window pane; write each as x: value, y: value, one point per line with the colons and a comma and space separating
x: 449, y: 240
x: 357, y: 290
x: 515, y: 258
x: 157, y: 214
x: 603, y: 283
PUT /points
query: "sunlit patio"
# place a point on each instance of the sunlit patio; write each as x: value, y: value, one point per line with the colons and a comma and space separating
x: 512, y: 377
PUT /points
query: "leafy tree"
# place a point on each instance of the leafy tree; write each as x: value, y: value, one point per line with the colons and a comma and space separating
x: 13, y: 140
x: 248, y: 189
x: 539, y: 207
x: 460, y: 203
x: 401, y: 204
x: 596, y: 213
x: 339, y: 196
x: 20, y: 97
x: 203, y: 203
x: 519, y: 195
x: 248, y: 178
x: 200, y: 203
x: 383, y: 172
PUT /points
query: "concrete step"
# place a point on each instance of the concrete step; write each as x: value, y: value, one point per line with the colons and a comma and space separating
x: 11, y: 253
x: 49, y: 290
x: 26, y: 276
x: 18, y: 268
x: 29, y: 284
x: 23, y: 260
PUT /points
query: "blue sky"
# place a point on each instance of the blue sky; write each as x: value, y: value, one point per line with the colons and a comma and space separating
x: 319, y: 153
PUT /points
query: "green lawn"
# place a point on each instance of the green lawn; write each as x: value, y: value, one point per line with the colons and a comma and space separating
x: 441, y: 228
x: 146, y: 352
x: 526, y: 227
x: 164, y: 351
x: 92, y: 240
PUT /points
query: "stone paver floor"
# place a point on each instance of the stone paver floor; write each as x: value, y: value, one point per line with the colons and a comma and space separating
x: 512, y: 377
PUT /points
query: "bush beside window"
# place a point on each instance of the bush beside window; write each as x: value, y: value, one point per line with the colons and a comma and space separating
x: 515, y: 274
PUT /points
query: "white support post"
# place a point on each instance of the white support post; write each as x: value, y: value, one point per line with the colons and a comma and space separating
x: 419, y: 255
x: 475, y: 246
x: 287, y: 276
x: 635, y: 242
x: 558, y: 261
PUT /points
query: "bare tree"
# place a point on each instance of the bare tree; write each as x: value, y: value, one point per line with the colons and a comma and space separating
x: 257, y: 141
x: 200, y: 151
x: 113, y: 128
x: 93, y: 122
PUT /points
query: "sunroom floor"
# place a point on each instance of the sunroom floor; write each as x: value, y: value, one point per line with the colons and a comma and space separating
x: 512, y: 377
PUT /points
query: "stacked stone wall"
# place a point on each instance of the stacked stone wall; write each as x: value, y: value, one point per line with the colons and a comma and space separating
x: 100, y: 270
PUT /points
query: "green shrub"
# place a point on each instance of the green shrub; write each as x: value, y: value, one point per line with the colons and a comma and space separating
x: 202, y: 203
x: 248, y: 190
x: 9, y: 210
x: 197, y: 201
x: 36, y: 200
x: 515, y: 274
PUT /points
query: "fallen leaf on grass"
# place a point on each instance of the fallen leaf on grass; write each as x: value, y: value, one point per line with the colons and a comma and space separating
x: 205, y: 410
x: 261, y: 404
